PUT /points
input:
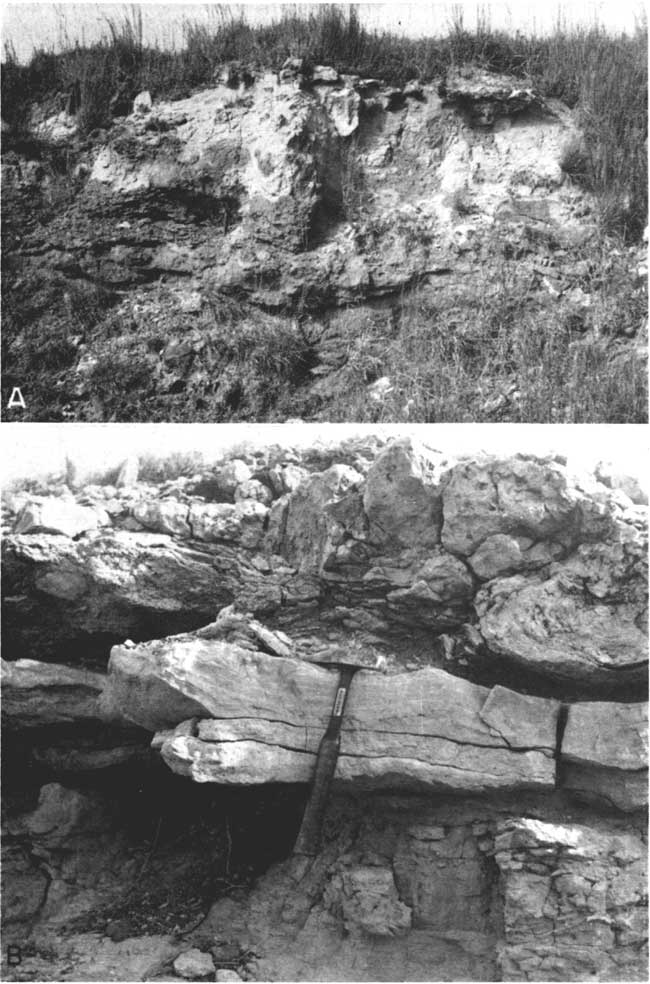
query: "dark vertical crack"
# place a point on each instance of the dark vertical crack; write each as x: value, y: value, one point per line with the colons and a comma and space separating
x: 562, y: 718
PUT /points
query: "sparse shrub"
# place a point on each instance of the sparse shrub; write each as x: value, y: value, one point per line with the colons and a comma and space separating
x: 16, y: 96
x: 575, y: 161
x: 154, y: 468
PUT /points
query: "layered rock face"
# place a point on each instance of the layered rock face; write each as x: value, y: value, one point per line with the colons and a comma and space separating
x: 304, y: 207
x: 488, y: 802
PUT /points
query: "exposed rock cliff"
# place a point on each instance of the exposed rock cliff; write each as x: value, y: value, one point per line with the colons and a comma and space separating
x: 285, y: 221
x: 487, y: 807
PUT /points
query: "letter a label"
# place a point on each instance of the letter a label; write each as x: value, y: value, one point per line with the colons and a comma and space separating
x: 16, y: 399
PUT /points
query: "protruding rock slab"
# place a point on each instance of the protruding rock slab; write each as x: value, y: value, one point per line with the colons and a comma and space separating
x: 575, y: 902
x: 111, y: 582
x: 605, y: 753
x: 426, y: 729
x: 35, y: 694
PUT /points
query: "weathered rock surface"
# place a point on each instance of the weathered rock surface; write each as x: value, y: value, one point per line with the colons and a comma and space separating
x: 486, y: 817
x: 112, y: 583
x: 605, y: 752
x: 36, y: 694
x: 574, y: 902
x: 385, y: 548
x: 60, y: 516
x: 309, y: 205
x: 194, y: 965
x: 404, y: 731
x: 487, y: 892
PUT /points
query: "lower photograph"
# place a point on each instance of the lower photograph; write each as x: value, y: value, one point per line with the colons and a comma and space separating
x: 324, y: 703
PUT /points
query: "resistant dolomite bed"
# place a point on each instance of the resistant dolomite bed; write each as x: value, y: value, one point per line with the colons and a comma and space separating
x: 168, y: 679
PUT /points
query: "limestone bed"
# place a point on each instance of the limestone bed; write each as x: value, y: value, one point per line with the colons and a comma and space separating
x: 164, y: 697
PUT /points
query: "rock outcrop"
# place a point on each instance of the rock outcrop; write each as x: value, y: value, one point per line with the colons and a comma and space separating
x: 515, y: 561
x: 487, y: 808
x: 580, y: 886
x: 266, y: 714
x: 305, y: 209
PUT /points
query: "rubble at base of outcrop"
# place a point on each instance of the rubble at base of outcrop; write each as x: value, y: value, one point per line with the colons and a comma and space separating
x: 487, y: 814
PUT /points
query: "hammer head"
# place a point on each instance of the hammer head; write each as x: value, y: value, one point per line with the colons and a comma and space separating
x: 354, y: 657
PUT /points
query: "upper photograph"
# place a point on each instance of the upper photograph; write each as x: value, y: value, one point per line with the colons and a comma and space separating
x: 325, y: 212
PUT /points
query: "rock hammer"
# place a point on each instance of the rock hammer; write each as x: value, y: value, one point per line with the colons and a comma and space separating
x: 309, y: 835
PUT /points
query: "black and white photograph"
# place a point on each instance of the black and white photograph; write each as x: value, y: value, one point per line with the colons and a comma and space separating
x: 282, y: 706
x: 337, y: 212
x: 324, y: 451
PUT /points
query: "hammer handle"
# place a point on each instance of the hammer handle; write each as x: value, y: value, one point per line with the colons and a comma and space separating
x: 309, y: 836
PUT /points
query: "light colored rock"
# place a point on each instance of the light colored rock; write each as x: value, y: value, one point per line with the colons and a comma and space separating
x: 59, y: 516
x: 163, y: 516
x: 613, y: 479
x: 227, y: 975
x: 605, y: 753
x: 609, y: 734
x: 551, y: 627
x: 252, y: 489
x: 286, y: 478
x: 162, y: 683
x: 402, y: 498
x: 582, y: 887
x: 215, y: 522
x: 501, y: 554
x: 232, y: 474
x: 520, y: 496
x: 194, y: 965
x: 128, y: 473
x: 325, y: 75
x: 142, y: 104
x: 413, y: 730
x: 368, y: 902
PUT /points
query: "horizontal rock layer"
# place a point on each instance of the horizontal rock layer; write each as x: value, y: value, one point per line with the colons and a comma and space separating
x: 425, y: 728
x: 520, y: 563
x: 523, y: 857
